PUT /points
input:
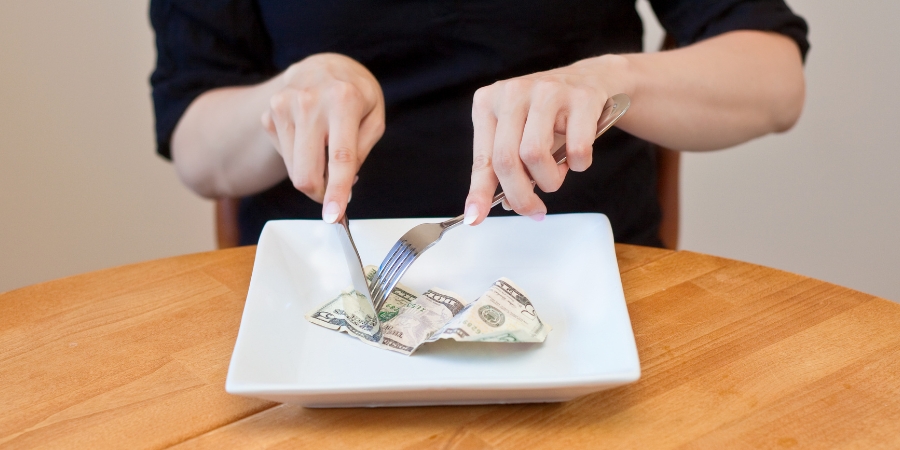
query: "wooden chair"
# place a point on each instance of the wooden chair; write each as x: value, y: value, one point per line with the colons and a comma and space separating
x: 227, y: 230
x: 668, y: 170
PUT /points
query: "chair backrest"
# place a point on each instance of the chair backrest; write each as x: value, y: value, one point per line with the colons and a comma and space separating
x: 668, y: 171
x: 228, y: 233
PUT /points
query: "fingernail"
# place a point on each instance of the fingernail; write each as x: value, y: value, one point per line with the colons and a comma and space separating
x: 330, y: 212
x: 505, y: 205
x: 350, y: 197
x: 471, y: 214
x: 355, y: 180
x: 539, y: 217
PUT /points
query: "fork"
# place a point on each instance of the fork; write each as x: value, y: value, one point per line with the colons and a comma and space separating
x: 423, y: 236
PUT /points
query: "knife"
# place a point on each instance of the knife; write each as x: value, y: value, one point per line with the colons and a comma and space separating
x: 354, y: 263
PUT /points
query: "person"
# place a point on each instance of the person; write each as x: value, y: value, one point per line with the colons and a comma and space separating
x: 422, y: 108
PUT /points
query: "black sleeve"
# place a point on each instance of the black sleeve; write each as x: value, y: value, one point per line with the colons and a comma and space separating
x: 202, y: 45
x: 689, y: 21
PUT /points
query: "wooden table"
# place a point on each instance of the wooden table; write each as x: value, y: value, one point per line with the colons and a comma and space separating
x: 733, y: 356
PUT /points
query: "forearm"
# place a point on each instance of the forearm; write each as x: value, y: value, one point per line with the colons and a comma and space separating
x: 710, y: 95
x: 220, y: 148
x: 714, y: 94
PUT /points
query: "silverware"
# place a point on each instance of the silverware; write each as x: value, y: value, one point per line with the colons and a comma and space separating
x: 421, y: 237
x: 354, y: 263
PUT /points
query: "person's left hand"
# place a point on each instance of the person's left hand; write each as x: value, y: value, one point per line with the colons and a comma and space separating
x: 515, y: 121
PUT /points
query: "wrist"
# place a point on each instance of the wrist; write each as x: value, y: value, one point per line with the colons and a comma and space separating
x: 320, y: 69
x: 613, y: 74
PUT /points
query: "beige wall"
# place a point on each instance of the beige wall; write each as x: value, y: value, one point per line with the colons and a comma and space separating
x: 80, y: 187
x: 823, y: 199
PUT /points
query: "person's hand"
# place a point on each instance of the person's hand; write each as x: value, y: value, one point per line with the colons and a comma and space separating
x: 515, y: 121
x: 323, y: 122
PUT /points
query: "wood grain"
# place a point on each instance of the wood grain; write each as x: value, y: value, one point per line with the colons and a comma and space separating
x: 733, y: 356
x: 134, y: 354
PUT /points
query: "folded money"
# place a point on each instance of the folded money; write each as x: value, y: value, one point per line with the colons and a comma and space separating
x: 351, y: 313
x: 502, y: 314
x: 407, y: 320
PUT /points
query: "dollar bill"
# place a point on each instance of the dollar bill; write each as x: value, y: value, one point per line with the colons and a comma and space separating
x: 420, y: 319
x: 407, y: 320
x: 350, y: 312
x: 502, y: 314
x: 398, y: 298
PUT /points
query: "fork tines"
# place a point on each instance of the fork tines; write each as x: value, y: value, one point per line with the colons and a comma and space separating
x: 399, y: 258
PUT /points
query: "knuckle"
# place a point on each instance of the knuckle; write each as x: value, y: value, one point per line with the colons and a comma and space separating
x: 550, y: 185
x: 292, y: 71
x: 579, y: 160
x: 343, y: 155
x: 267, y: 122
x: 344, y: 92
x: 505, y: 163
x: 280, y: 103
x: 580, y: 166
x: 339, y: 187
x: 305, y: 99
x: 481, y: 101
x: 481, y: 162
x: 516, y: 86
x: 548, y: 87
x: 532, y: 153
x: 305, y: 184
x: 580, y: 150
x: 379, y: 128
x: 531, y: 205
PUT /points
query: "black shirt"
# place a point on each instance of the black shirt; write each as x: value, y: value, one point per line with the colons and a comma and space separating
x: 430, y: 57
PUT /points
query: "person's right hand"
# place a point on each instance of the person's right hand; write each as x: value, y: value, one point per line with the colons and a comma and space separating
x: 325, y: 120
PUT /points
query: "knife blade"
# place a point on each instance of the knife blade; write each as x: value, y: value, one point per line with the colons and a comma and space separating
x: 354, y: 263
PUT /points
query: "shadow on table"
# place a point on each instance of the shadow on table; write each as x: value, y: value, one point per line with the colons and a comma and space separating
x: 478, y: 426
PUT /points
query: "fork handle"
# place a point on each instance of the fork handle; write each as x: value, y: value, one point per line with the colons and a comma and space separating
x: 559, y: 156
x: 613, y: 110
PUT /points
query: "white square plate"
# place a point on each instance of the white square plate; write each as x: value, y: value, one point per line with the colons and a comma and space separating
x: 567, y: 265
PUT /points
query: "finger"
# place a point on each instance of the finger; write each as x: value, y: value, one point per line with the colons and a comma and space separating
x: 507, y: 164
x: 484, y: 180
x: 269, y: 127
x: 284, y: 128
x: 350, y: 198
x: 537, y: 140
x: 308, y: 159
x: 344, y: 121
x: 559, y: 142
x: 370, y: 131
x: 581, y: 130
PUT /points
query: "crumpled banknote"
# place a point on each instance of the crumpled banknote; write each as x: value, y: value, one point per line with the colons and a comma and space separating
x: 407, y: 320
